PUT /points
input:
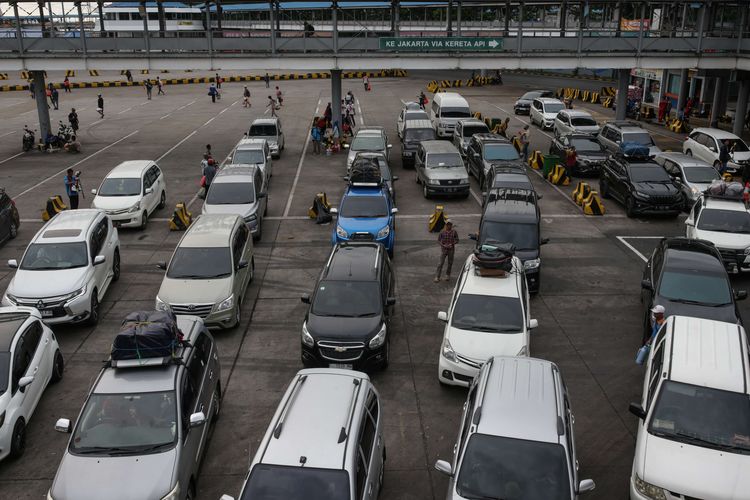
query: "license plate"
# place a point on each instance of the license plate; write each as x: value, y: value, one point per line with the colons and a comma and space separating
x: 343, y: 366
x: 46, y: 313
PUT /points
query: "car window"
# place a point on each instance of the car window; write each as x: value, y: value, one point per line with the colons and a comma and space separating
x: 148, y: 179
x: 21, y: 362
x: 486, y: 313
x: 725, y: 221
x: 196, y: 368
x: 583, y: 121
x: 231, y: 193
x: 361, y: 473
x: 120, y: 186
x: 654, y: 374
x: 701, y: 174
x: 262, y: 129
x: 32, y: 336
x: 367, y: 436
x: 552, y: 107
x: 188, y: 398
x: 202, y: 348
x: 238, y: 245
x: 98, y: 237
x: 696, y: 211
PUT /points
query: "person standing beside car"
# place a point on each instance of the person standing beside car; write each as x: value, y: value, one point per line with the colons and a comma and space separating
x: 71, y: 188
x: 724, y: 156
x: 447, y: 239
x: 209, y: 172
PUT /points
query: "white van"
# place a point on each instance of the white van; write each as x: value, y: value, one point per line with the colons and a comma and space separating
x: 447, y: 108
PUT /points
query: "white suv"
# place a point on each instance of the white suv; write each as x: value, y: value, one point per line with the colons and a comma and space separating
x: 30, y: 359
x: 253, y: 151
x: 693, y: 436
x: 488, y: 316
x: 544, y: 110
x: 570, y: 121
x: 705, y: 143
x: 67, y: 268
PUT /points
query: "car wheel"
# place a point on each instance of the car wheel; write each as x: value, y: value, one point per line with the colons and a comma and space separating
x: 259, y: 234
x: 630, y: 207
x: 58, y: 366
x: 163, y: 200
x: 252, y: 269
x: 13, y: 230
x: 94, y: 312
x: 116, y: 266
x: 18, y: 439
x: 387, y: 358
x: 603, y: 190
x: 191, y: 491
x: 689, y: 152
x: 237, y: 316
x: 144, y: 220
x: 217, y: 403
x: 425, y: 193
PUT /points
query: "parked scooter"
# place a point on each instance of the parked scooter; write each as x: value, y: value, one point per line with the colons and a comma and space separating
x: 65, y: 132
x: 28, y: 138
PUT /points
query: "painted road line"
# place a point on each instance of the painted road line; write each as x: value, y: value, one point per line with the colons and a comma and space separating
x: 165, y: 116
x: 125, y: 110
x: 632, y: 248
x: 299, y: 165
x: 476, y: 197
x: 426, y: 217
x: 53, y: 176
x: 191, y: 134
x: 8, y: 133
x: 14, y: 156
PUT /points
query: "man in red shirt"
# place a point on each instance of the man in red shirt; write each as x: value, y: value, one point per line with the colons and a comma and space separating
x: 447, y: 239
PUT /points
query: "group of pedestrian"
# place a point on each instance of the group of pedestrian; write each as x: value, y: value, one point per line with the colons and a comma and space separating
x: 53, y: 95
x: 324, y: 134
x: 275, y: 103
x: 208, y: 171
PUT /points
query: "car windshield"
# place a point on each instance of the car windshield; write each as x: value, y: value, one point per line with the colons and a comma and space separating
x: 553, y: 107
x: 495, y: 467
x: 648, y: 173
x: 701, y: 175
x: 493, y: 152
x: 470, y: 130
x: 523, y: 236
x: 582, y: 121
x: 419, y: 134
x: 349, y: 299
x: 4, y: 371
x: 364, y: 206
x: 691, y: 285
x: 114, y: 424
x: 488, y: 313
x: 455, y: 113
x: 265, y: 130
x: 586, y: 145
x: 444, y: 160
x: 248, y: 156
x: 737, y: 146
x: 640, y: 137
x: 725, y: 221
x: 278, y: 482
x: 531, y: 95
x: 368, y: 143
x: 118, y: 186
x: 231, y: 193
x: 416, y: 115
x: 46, y: 256
x: 702, y: 416
x: 200, y: 263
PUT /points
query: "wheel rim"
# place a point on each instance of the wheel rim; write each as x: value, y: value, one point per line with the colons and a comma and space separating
x: 116, y: 266
x: 94, y: 308
x: 163, y: 200
x: 20, y: 439
x: 144, y: 220
x: 13, y: 230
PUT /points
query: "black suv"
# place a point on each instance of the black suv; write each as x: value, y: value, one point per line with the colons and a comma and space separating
x: 688, y: 278
x: 523, y: 105
x: 487, y: 150
x: 9, y: 219
x: 500, y: 178
x: 511, y: 215
x: 590, y: 155
x: 641, y: 184
x: 347, y: 323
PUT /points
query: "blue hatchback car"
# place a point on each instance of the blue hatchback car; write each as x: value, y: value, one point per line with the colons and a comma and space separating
x: 366, y: 213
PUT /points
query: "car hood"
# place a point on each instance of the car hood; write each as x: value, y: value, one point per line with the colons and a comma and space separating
x: 179, y: 291
x: 726, y: 313
x: 733, y: 241
x: 479, y: 346
x: 269, y: 138
x: 241, y: 210
x: 449, y: 173
x: 656, y: 188
x: 549, y: 116
x: 132, y: 478
x: 363, y: 224
x: 694, y: 471
x: 332, y: 328
x: 109, y: 203
x: 33, y: 284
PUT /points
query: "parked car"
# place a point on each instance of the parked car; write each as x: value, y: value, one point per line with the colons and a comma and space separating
x: 705, y: 143
x: 131, y: 192
x: 502, y: 179
x: 491, y: 150
x: 693, y: 437
x: 487, y: 316
x: 67, y: 268
x: 348, y: 323
x: 270, y: 130
x: 385, y: 169
x: 692, y: 175
x: 30, y: 359
x: 589, y: 153
x: 523, y: 105
x: 517, y: 414
x: 447, y: 108
x: 208, y: 273
x: 371, y: 139
x: 325, y: 441
x: 641, y: 184
x: 544, y: 110
x: 575, y: 121
x: 616, y: 133
x: 440, y: 170
x: 253, y: 151
x: 414, y: 132
x: 464, y: 130
x: 688, y: 278
x: 10, y: 221
x: 243, y: 191
x: 143, y: 417
x: 408, y: 114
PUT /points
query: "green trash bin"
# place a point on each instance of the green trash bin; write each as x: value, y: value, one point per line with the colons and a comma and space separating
x: 549, y: 163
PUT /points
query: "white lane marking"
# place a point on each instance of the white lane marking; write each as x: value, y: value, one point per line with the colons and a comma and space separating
x: 631, y: 247
x: 97, y: 121
x: 299, y: 165
x: 165, y: 116
x: 14, y: 156
x: 8, y: 133
x: 74, y: 165
x: 125, y: 110
x: 209, y: 121
x: 191, y: 134
x: 426, y: 217
x: 476, y: 196
x: 27, y: 112
x: 361, y: 116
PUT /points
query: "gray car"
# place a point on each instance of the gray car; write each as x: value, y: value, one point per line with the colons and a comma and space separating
x: 241, y: 190
x: 270, y: 130
x: 692, y: 175
x: 464, y: 130
x: 368, y: 139
x: 618, y: 132
x: 440, y: 169
x: 144, y: 426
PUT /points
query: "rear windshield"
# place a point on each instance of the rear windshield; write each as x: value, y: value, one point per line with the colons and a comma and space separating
x: 583, y: 121
x: 455, y: 113
x: 364, y: 206
x: 441, y: 160
x: 200, y: 263
x: 553, y: 107
x: 475, y: 129
x: 231, y: 193
x: 368, y: 143
x: 419, y: 134
x: 350, y: 299
x: 262, y: 130
x: 278, y: 482
x: 120, y: 187
x: 640, y: 137
x: 416, y: 115
x: 488, y: 313
x: 250, y: 156
x: 500, y: 152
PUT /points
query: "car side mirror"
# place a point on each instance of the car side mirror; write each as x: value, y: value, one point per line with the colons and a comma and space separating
x: 473, y: 236
x: 262, y: 195
x: 637, y: 410
x: 93, y: 191
x: 242, y: 264
x: 149, y: 190
x: 390, y: 146
x: 99, y: 259
x: 442, y: 316
x: 394, y: 178
x: 394, y: 210
x: 346, y: 178
x: 63, y: 425
x: 740, y: 294
x: 13, y: 263
x: 586, y: 485
x: 334, y: 211
x: 544, y: 241
x: 305, y: 298
x: 444, y: 467
x: 268, y: 158
x: 533, y: 323
x: 226, y: 497
x: 646, y: 285
x: 390, y: 301
x: 197, y: 419
x: 24, y: 381
x: 161, y: 265
x: 690, y: 223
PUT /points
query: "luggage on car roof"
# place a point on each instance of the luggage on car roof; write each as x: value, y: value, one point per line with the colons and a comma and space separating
x: 722, y: 189
x: 365, y: 171
x: 147, y: 334
x: 494, y: 255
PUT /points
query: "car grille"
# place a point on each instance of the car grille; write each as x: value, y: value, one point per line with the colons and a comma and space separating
x: 362, y: 237
x: 683, y: 497
x: 201, y: 310
x: 341, y: 351
x: 468, y: 361
x: 664, y: 200
x: 730, y: 255
x: 41, y: 302
x: 117, y: 212
x: 449, y: 182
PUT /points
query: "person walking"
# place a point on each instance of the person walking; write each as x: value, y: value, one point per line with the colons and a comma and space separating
x: 213, y: 92
x: 100, y: 105
x: 272, y: 104
x: 267, y: 79
x: 447, y: 239
x: 149, y: 88
x: 208, y: 150
x: 72, y: 188
x: 66, y: 85
x: 366, y: 82
x: 73, y: 119
x: 315, y: 137
x: 128, y: 76
x: 209, y: 172
x: 724, y: 156
x: 246, y: 97
x: 524, y: 136
x: 55, y: 97
x: 32, y: 88
x: 279, y: 96
x: 218, y: 81
x: 328, y: 114
x: 159, y: 85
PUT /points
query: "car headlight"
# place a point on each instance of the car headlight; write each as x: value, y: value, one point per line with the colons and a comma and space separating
x: 531, y: 264
x: 523, y: 352
x: 649, y: 490
x: 340, y: 232
x: 464, y: 180
x: 447, y: 350
x: 306, y: 337
x: 135, y: 208
x: 251, y: 218
x: 642, y: 196
x: 384, y: 232
x: 73, y: 295
x: 226, y: 304
x: 174, y: 494
x: 11, y: 298
x: 434, y: 182
x: 160, y: 305
x: 747, y: 251
x: 378, y: 339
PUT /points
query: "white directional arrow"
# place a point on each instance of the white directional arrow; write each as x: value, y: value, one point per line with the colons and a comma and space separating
x: 493, y: 43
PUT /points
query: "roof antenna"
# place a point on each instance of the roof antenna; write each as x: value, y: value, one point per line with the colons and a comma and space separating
x: 302, y: 460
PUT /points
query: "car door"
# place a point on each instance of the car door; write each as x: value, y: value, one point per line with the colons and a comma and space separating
x: 654, y: 371
x: 465, y: 427
x: 458, y: 133
x: 147, y: 192
x: 261, y: 188
x: 96, y: 246
x: 693, y: 218
x: 202, y: 375
x: 279, y: 136
x: 570, y: 436
x: 419, y: 166
x: 400, y: 124
x: 369, y: 450
x: 191, y: 436
x: 157, y: 185
x: 31, y: 357
x: 243, y: 251
x: 561, y: 124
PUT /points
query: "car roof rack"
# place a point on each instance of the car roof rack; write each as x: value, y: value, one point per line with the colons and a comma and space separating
x: 144, y: 362
x: 365, y: 172
x: 280, y: 425
x: 511, y: 194
x: 343, y: 434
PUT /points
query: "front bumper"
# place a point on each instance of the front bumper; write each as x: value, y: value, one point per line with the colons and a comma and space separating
x: 387, y: 242
x: 53, y: 313
x: 590, y: 168
x: 456, y: 372
x: 522, y: 110
x: 735, y: 260
x: 452, y: 190
x: 223, y: 319
x: 547, y: 124
x: 253, y: 225
x: 274, y: 148
x: 642, y: 207
x: 361, y: 358
x: 127, y: 219
x: 446, y: 131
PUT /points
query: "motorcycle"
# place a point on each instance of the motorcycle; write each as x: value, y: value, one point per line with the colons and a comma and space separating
x: 65, y: 132
x: 28, y: 139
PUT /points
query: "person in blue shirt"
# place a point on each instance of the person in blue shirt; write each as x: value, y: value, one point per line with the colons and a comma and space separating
x: 72, y: 188
x: 658, y: 314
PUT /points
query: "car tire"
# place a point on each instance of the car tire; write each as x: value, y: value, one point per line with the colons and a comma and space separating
x: 144, y: 220
x: 94, y: 311
x: 116, y: 266
x: 387, y: 358
x: 630, y: 207
x: 18, y: 439
x: 13, y: 230
x: 58, y: 367
x: 190, y: 495
x: 689, y: 152
x: 257, y: 236
x: 237, y: 316
x: 425, y: 192
x: 163, y: 200
x: 603, y: 190
x: 252, y: 270
x: 217, y: 403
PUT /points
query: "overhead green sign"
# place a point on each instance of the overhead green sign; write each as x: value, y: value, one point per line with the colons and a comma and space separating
x: 441, y: 44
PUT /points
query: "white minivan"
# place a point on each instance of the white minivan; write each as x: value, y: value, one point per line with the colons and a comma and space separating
x: 544, y: 110
x: 447, y: 108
